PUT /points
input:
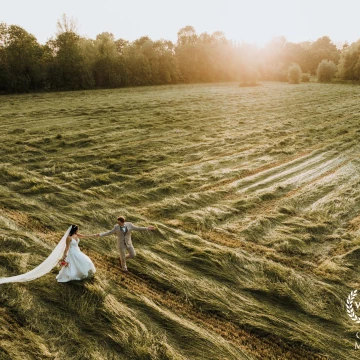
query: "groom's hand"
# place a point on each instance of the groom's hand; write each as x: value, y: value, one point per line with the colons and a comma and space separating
x: 151, y: 228
x: 97, y: 234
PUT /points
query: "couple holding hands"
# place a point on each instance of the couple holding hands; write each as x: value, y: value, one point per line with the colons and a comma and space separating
x: 75, y: 264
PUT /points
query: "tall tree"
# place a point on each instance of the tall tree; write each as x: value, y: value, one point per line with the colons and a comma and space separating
x: 187, y: 54
x: 69, y: 68
x: 21, y: 67
x: 322, y: 49
x: 168, y: 70
x: 349, y: 64
x: 66, y: 24
x: 107, y: 67
x: 138, y: 69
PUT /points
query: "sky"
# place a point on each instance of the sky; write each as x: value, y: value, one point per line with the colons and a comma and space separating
x: 251, y: 21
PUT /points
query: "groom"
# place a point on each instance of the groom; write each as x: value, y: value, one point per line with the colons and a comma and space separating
x: 123, y: 232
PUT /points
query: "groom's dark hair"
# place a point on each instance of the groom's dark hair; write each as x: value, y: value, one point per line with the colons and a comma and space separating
x: 121, y: 219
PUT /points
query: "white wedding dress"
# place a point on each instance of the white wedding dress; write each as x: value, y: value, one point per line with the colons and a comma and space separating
x: 79, y: 265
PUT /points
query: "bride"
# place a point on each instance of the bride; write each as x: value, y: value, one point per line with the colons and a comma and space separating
x: 77, y: 265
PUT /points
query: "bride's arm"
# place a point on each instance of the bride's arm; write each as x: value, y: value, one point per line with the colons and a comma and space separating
x: 68, y: 239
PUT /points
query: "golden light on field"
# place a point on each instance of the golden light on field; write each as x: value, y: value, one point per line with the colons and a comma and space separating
x: 254, y: 192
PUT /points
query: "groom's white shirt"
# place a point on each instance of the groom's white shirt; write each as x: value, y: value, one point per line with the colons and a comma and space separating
x: 123, y: 234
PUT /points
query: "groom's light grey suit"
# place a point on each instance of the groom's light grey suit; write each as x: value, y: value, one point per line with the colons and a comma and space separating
x: 123, y: 234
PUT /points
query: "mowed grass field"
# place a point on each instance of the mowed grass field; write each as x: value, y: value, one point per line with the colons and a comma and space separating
x: 255, y: 195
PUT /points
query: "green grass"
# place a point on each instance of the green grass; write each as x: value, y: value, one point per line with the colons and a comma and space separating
x: 255, y: 194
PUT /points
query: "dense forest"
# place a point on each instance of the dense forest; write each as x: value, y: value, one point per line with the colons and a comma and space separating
x: 70, y: 62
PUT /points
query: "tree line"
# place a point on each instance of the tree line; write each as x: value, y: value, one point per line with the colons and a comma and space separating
x: 71, y: 62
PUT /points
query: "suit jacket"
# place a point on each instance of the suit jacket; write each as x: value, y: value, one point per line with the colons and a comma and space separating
x: 123, y: 234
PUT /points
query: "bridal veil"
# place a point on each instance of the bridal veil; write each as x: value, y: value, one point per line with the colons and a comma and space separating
x: 46, y: 266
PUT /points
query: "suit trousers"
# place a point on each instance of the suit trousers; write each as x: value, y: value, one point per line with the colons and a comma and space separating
x: 122, y: 250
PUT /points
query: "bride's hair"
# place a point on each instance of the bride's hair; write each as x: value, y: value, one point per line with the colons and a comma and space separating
x: 73, y: 230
